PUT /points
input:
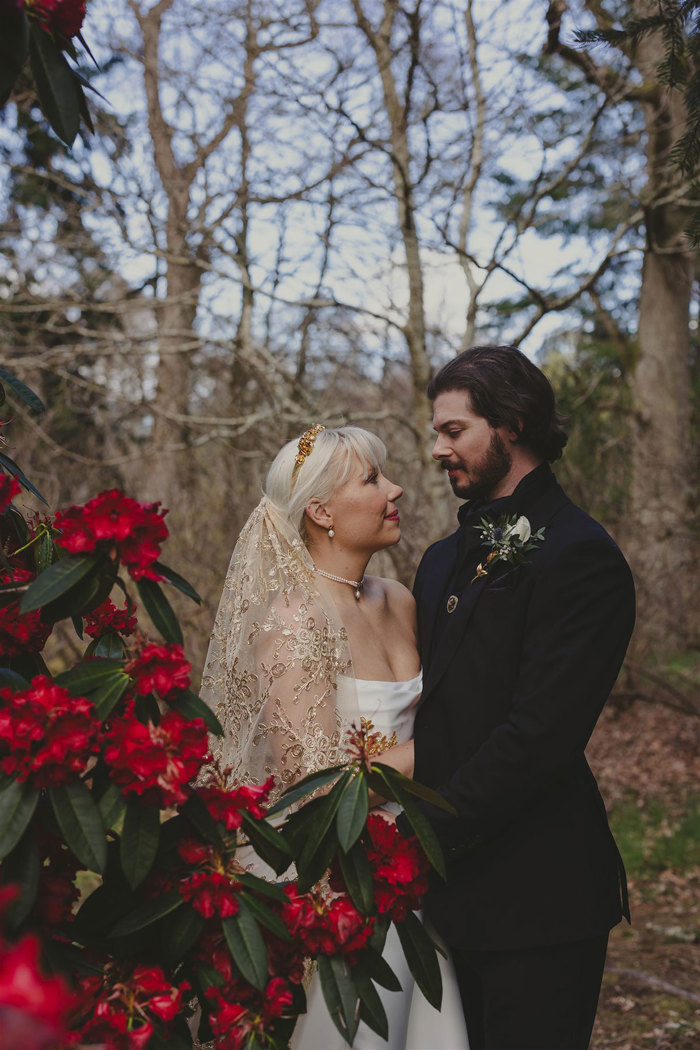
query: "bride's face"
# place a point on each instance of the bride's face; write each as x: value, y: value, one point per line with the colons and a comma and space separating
x: 364, y: 512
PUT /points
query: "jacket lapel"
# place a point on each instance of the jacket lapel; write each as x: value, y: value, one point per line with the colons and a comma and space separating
x: 445, y: 646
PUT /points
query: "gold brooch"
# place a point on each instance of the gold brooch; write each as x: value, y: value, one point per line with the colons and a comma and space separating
x: 305, y: 448
x: 452, y: 603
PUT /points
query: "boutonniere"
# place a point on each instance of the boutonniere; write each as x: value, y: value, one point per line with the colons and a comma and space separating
x: 509, y: 538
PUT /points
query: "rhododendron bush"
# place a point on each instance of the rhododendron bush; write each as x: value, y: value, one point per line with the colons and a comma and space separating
x: 105, y: 768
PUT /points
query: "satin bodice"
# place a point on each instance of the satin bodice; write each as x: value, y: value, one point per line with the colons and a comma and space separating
x: 390, y: 706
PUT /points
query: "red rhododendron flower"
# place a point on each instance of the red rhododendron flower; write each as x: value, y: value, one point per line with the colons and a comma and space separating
x: 9, y: 488
x: 64, y: 17
x: 227, y: 806
x: 134, y: 530
x: 107, y: 617
x: 33, y: 1007
x: 211, y: 893
x: 21, y: 633
x: 240, y: 1011
x: 156, y: 761
x: 325, y: 926
x: 160, y: 669
x: 399, y: 868
x: 123, y: 1008
x: 46, y: 735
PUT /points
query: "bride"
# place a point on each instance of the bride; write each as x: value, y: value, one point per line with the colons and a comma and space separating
x: 304, y: 644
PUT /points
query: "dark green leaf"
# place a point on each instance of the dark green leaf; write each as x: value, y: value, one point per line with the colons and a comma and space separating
x: 12, y: 591
x: 247, y: 946
x: 148, y: 913
x: 208, y: 976
x: 372, y: 1010
x: 267, y: 843
x: 139, y: 841
x: 110, y: 646
x: 352, y: 812
x: 57, y: 579
x: 80, y: 821
x: 311, y: 782
x: 109, y: 693
x: 418, y: 821
x: 265, y: 917
x: 324, y: 819
x: 376, y: 966
x: 78, y: 626
x: 17, y: 805
x: 160, y: 610
x: 181, y: 932
x: 14, y: 47
x: 43, y: 553
x: 111, y: 806
x: 177, y: 581
x: 22, y: 391
x: 86, y: 678
x: 12, y: 468
x: 421, y: 956
x: 11, y: 680
x: 269, y: 889
x: 311, y: 869
x: 202, y: 821
x: 55, y: 83
x: 21, y: 867
x: 340, y: 994
x: 421, y: 791
x: 357, y: 874
x: 191, y: 706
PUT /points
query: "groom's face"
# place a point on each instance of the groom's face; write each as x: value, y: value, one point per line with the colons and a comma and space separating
x: 474, y: 454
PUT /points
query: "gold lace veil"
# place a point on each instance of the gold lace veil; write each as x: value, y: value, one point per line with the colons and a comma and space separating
x: 278, y: 673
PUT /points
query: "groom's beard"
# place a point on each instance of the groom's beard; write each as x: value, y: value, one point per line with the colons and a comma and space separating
x: 483, y: 477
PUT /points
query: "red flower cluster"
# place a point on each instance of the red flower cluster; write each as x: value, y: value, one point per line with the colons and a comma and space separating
x: 122, y: 1012
x: 156, y: 761
x: 21, y: 633
x: 135, y: 530
x: 240, y: 1012
x: 160, y: 669
x: 399, y: 869
x: 226, y: 807
x: 107, y: 617
x: 45, y: 733
x: 9, y: 488
x: 213, y: 890
x: 326, y: 926
x: 63, y: 17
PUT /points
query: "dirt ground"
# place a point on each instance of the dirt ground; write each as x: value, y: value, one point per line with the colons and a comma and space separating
x: 647, y: 764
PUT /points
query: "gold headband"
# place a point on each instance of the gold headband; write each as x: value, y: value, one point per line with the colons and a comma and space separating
x: 305, y: 448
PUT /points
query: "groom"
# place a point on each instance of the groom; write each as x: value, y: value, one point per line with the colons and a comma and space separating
x: 519, y: 658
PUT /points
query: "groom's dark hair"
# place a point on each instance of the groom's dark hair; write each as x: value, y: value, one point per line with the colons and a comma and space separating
x: 508, y: 390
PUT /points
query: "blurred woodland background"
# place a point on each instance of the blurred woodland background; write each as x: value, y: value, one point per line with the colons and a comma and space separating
x: 293, y: 211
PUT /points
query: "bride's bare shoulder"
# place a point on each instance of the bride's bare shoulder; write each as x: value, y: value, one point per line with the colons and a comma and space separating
x: 399, y: 600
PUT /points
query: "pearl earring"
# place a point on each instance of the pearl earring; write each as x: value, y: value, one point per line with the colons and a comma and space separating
x: 331, y: 533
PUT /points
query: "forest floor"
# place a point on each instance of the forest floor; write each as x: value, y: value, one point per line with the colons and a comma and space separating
x: 645, y: 758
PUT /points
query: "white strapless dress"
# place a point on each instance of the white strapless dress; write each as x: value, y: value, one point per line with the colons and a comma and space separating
x: 413, y: 1023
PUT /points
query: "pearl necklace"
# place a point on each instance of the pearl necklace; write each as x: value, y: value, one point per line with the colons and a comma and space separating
x: 357, y: 584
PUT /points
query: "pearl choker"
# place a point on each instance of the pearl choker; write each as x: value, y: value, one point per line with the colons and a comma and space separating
x: 357, y: 584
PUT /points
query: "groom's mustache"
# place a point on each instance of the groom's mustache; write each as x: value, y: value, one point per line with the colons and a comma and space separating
x: 451, y: 466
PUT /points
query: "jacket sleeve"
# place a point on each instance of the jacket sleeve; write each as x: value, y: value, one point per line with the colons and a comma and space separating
x: 579, y: 622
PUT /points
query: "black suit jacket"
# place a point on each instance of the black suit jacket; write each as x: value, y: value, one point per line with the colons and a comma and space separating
x: 514, y: 681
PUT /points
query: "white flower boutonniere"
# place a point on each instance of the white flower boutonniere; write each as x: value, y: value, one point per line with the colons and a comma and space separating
x: 509, y: 538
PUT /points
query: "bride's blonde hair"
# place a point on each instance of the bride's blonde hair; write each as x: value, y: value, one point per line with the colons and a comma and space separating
x: 325, y: 469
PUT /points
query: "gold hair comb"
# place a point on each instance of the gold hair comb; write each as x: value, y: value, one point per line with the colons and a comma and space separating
x: 305, y: 448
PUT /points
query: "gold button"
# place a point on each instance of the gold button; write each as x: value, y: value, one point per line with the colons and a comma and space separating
x: 452, y: 603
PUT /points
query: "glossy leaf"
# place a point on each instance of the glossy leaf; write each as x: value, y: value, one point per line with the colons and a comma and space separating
x: 106, y: 696
x: 340, y: 994
x: 80, y: 821
x: 324, y: 819
x: 419, y: 790
x: 268, y: 889
x: 421, y: 956
x: 372, y: 1010
x: 14, y: 47
x: 202, y: 821
x: 139, y: 841
x: 418, y: 821
x: 268, y: 843
x: 191, y: 706
x: 57, y: 579
x: 112, y: 806
x: 265, y: 917
x: 247, y: 946
x: 305, y: 786
x: 160, y: 610
x: 311, y: 869
x: 21, y: 868
x: 352, y: 812
x: 12, y: 468
x: 55, y: 83
x: 17, y: 804
x: 357, y: 874
x: 148, y: 913
x: 178, y: 581
x: 110, y: 646
x: 181, y: 933
x: 86, y: 678
x: 376, y: 966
